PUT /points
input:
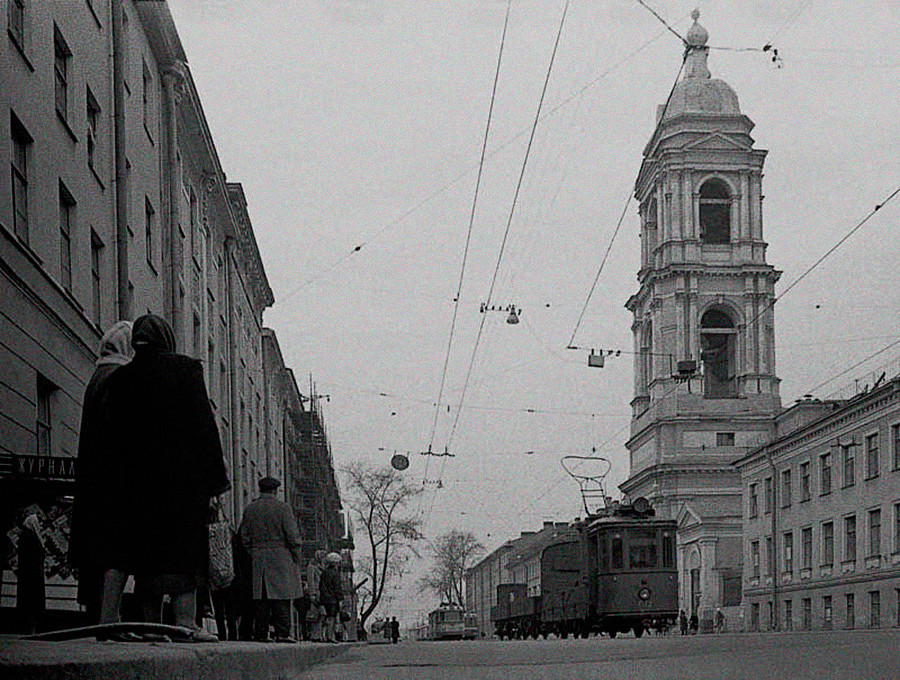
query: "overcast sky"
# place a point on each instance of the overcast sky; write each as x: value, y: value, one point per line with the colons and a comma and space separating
x: 360, y: 123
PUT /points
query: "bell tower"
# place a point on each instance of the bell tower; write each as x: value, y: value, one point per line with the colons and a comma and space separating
x: 705, y: 389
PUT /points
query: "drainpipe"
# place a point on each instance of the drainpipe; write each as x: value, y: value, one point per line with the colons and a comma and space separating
x: 119, y: 143
x: 236, y: 473
x: 171, y: 81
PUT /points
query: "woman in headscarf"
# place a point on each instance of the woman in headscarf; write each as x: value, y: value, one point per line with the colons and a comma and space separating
x: 93, y: 545
x: 172, y: 465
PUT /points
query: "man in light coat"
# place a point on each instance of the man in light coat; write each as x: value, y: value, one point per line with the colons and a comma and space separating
x: 269, y: 533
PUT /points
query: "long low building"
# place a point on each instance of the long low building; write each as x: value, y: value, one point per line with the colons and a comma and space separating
x: 822, y: 516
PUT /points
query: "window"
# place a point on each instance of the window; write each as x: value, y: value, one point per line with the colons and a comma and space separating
x: 826, y: 612
x: 804, y: 481
x: 642, y: 548
x: 717, y: 341
x: 825, y: 477
x: 617, y: 558
x: 724, y: 438
x: 42, y: 428
x: 198, y: 346
x: 807, y: 613
x: 850, y: 538
x: 770, y: 556
x: 149, y: 229
x: 806, y: 547
x: 785, y: 488
x: 872, y: 456
x: 754, y: 552
x: 827, y: 543
x: 93, y: 120
x: 668, y: 549
x: 21, y: 146
x: 788, y: 615
x: 754, y: 503
x: 897, y: 608
x: 771, y: 612
x: 875, y: 609
x: 16, y: 16
x: 62, y: 54
x: 850, y: 599
x: 715, y: 212
x: 768, y: 494
x: 96, y: 257
x: 874, y: 533
x: 788, y: 539
x: 147, y: 98
x: 897, y: 527
x: 849, y: 465
x: 66, y: 225
x: 895, y: 440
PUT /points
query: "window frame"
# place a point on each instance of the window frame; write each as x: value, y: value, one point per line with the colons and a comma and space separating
x: 21, y: 150
x: 62, y: 56
x: 67, y: 226
x: 849, y: 464
x: 828, y: 543
x: 850, y: 548
x: 786, y: 488
x: 873, y: 528
x: 873, y: 462
x: 805, y: 482
x: 825, y: 473
x: 709, y: 205
x: 97, y: 246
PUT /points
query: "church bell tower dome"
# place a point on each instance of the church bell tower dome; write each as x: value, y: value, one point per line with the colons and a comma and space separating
x: 698, y: 91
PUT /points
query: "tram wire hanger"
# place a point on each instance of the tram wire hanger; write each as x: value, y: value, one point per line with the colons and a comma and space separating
x: 514, y: 312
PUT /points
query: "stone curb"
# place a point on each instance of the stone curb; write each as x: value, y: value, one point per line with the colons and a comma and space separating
x: 90, y: 660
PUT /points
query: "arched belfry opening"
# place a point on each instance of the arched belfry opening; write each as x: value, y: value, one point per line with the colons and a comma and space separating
x: 717, y: 351
x: 715, y: 212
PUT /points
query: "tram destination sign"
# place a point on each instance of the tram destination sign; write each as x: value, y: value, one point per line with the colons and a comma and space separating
x: 43, y: 467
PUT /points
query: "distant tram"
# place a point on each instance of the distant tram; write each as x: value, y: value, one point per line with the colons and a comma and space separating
x: 450, y: 622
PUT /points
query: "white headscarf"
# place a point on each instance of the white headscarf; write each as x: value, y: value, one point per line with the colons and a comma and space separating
x: 115, y: 345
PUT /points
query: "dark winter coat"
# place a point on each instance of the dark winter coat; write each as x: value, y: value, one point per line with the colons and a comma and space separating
x: 171, y: 460
x: 330, y: 591
x: 269, y: 533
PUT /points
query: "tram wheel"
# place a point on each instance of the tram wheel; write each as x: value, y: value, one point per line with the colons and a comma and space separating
x: 612, y: 633
x: 638, y: 630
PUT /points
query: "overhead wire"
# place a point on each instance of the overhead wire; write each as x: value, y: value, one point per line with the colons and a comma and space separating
x: 769, y: 305
x: 612, y: 240
x: 505, y: 237
x: 462, y: 175
x: 462, y: 270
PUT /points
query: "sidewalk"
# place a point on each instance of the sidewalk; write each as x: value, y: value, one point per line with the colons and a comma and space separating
x: 20, y: 659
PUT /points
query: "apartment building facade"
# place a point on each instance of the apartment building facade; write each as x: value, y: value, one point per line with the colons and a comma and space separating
x: 822, y: 516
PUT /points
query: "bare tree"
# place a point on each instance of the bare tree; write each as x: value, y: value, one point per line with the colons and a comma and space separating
x: 378, y: 498
x: 452, y: 554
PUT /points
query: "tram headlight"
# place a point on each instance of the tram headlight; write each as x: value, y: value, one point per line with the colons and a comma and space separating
x: 644, y: 594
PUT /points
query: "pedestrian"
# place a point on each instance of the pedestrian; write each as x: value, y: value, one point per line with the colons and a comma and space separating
x: 720, y: 620
x: 302, y: 604
x: 313, y: 577
x: 94, y: 550
x: 225, y: 598
x: 171, y: 466
x: 331, y: 594
x: 683, y: 622
x: 395, y: 630
x: 30, y: 586
x: 694, y: 623
x: 269, y: 533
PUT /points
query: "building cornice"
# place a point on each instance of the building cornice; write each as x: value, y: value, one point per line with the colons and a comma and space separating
x: 851, y: 411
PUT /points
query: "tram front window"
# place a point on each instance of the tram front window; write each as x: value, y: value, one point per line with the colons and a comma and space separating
x: 617, y: 560
x: 642, y: 551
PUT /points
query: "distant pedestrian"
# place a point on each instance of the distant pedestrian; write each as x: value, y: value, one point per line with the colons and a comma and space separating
x: 302, y: 604
x: 316, y: 612
x: 720, y: 620
x: 683, y: 622
x: 94, y: 545
x: 331, y: 594
x: 171, y: 465
x: 694, y: 623
x: 30, y: 585
x: 395, y: 630
x: 269, y: 532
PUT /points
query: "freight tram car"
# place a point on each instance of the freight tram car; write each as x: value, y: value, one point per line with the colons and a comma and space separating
x: 618, y: 575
